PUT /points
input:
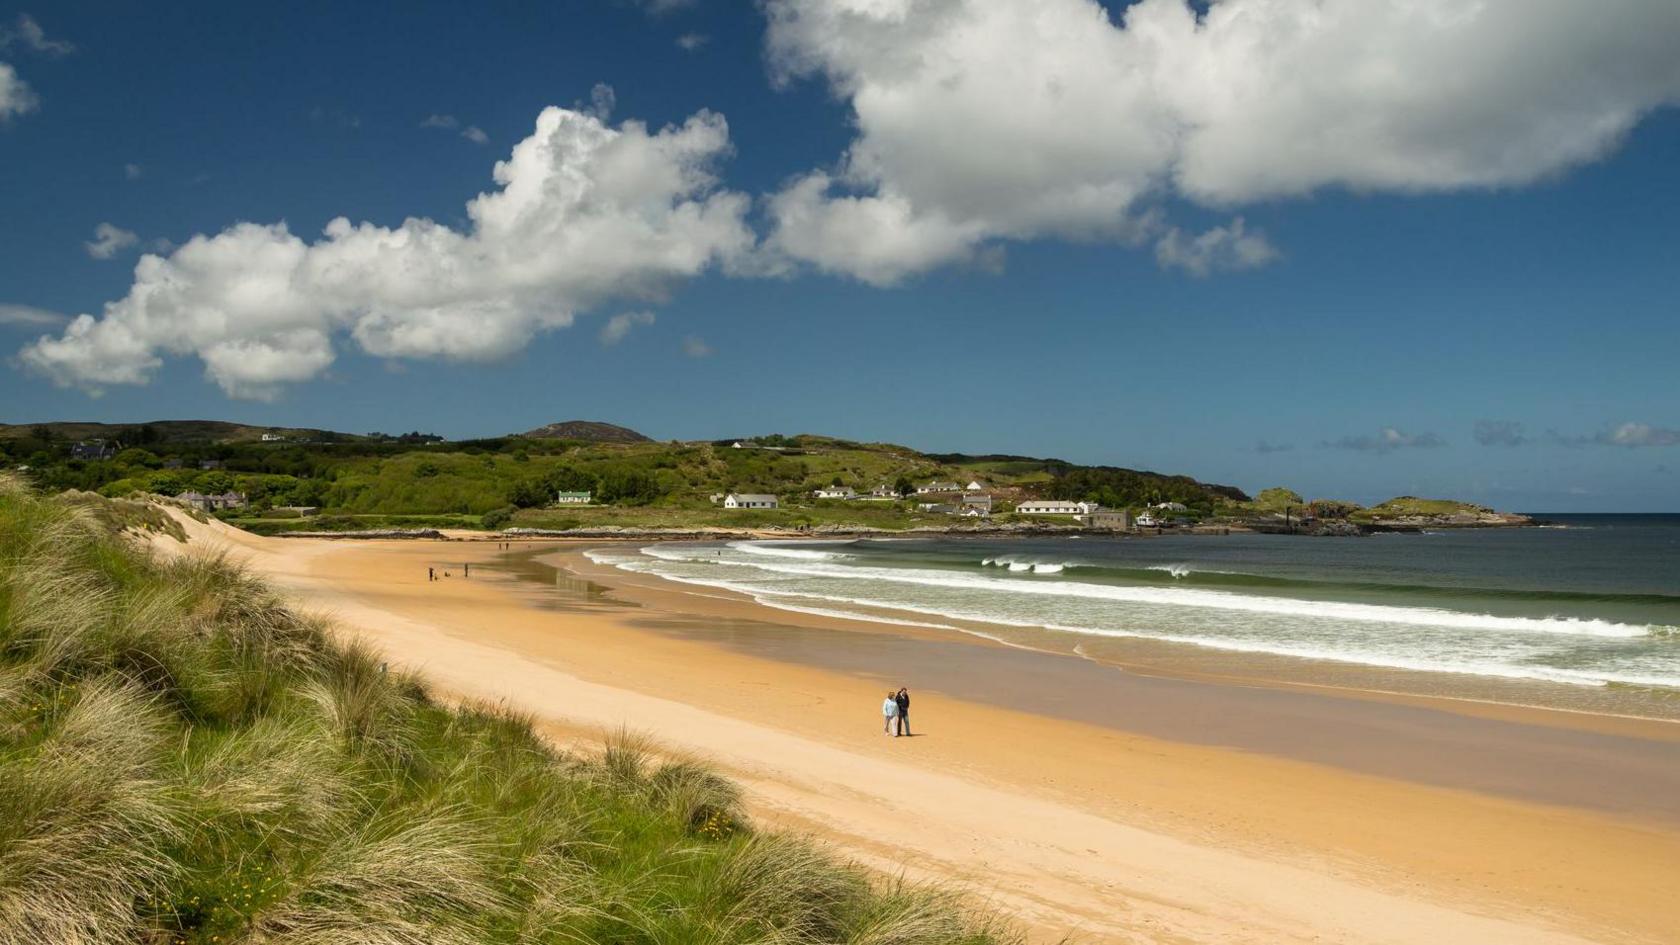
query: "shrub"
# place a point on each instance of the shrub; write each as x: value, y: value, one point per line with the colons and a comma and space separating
x: 497, y: 519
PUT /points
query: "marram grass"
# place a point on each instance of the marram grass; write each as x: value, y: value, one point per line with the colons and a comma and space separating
x: 185, y: 760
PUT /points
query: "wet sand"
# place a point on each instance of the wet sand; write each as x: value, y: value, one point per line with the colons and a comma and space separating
x: 1116, y: 806
x: 1424, y: 741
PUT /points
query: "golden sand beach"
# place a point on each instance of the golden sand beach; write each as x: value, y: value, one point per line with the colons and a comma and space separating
x: 1454, y: 822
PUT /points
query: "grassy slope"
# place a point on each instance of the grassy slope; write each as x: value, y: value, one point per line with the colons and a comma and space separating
x: 184, y: 760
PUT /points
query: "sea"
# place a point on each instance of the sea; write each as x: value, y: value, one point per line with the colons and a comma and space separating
x: 1585, y: 603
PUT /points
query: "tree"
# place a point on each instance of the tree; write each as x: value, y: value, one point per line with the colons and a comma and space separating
x: 529, y: 494
x: 570, y: 479
x: 215, y: 483
x: 904, y: 487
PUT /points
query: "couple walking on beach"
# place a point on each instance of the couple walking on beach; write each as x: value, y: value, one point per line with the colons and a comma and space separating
x: 897, y: 708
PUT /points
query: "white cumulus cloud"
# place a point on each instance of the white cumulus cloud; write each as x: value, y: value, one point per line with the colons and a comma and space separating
x: 16, y: 97
x: 583, y: 213
x: 618, y: 326
x: 109, y: 240
x: 29, y: 316
x: 27, y: 34
x: 980, y: 120
x: 1228, y: 247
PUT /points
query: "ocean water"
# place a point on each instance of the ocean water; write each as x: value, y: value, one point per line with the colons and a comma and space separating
x: 1592, y: 602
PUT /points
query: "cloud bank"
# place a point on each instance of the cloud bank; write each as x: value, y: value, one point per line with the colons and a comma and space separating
x: 1628, y: 435
x: 583, y: 213
x: 1500, y: 433
x: 979, y: 121
x: 1386, y: 441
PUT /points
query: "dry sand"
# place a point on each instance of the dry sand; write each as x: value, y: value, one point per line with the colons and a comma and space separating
x: 1082, y: 829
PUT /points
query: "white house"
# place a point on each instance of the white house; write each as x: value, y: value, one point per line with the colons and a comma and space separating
x: 1055, y: 507
x: 747, y: 500
x: 1170, y: 506
x: 938, y: 487
x: 273, y: 438
x: 1146, y: 520
x: 836, y: 492
x: 573, y: 498
x: 883, y: 491
x: 975, y: 485
x: 983, y: 502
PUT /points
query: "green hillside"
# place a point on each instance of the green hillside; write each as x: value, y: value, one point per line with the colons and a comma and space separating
x: 184, y: 760
x: 365, y: 481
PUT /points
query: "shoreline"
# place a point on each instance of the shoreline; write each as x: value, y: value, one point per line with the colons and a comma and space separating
x: 1103, y: 831
x: 1229, y: 709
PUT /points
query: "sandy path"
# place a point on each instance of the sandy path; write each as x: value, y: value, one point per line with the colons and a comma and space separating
x: 1113, y: 839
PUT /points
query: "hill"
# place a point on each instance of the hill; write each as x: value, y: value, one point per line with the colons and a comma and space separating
x: 380, y: 481
x: 587, y: 431
x: 184, y: 759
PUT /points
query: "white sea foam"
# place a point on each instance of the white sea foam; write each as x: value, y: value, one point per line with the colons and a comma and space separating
x: 1514, y: 649
x: 783, y: 551
x: 1176, y: 570
x: 1028, y: 567
x: 1219, y: 600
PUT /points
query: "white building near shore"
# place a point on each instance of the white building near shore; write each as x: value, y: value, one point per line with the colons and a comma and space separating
x: 1055, y: 507
x: 836, y: 492
x: 750, y: 500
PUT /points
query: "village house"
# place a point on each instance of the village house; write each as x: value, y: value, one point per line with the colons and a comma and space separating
x: 836, y: 492
x: 982, y: 502
x: 273, y: 438
x: 938, y: 508
x: 1170, y: 507
x: 572, y: 498
x: 1055, y: 507
x: 883, y: 491
x: 1113, y: 520
x: 748, y: 500
x: 937, y: 486
x: 976, y: 485
x: 212, y: 503
x: 90, y: 450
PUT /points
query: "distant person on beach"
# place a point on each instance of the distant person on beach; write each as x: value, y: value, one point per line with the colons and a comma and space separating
x: 431, y: 574
x: 466, y: 570
x: 902, y: 701
x: 889, y: 711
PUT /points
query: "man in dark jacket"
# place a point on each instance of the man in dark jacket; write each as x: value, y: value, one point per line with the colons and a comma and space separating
x: 903, y: 700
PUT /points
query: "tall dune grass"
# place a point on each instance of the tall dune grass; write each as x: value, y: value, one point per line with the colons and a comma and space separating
x: 185, y: 760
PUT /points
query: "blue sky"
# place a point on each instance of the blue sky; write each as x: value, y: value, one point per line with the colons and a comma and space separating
x: 1503, y: 307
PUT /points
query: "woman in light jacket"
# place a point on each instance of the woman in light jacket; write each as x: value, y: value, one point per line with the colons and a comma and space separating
x: 889, y: 711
